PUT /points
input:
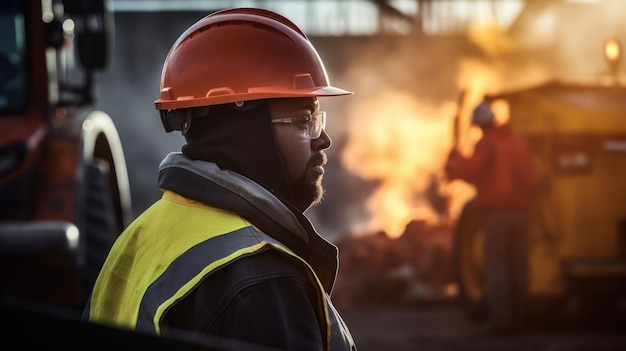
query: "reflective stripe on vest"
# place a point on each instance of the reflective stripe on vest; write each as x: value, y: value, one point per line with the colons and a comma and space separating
x: 184, y: 273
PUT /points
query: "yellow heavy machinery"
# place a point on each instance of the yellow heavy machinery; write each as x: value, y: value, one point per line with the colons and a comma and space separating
x: 577, y: 133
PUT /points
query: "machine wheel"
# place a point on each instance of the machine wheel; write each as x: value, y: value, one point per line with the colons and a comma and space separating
x: 98, y: 222
x: 469, y: 263
x: 105, y: 200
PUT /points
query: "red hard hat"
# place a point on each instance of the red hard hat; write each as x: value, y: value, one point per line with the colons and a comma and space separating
x: 238, y: 55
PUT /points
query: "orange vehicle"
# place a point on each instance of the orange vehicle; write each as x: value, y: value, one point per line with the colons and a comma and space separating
x: 64, y: 192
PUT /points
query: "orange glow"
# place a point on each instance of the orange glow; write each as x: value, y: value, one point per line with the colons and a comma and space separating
x: 402, y: 145
x: 612, y: 50
x: 402, y: 142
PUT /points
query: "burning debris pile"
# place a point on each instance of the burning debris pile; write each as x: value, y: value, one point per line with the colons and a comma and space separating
x: 376, y: 269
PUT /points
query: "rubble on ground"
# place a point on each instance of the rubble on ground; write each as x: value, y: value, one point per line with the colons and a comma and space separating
x: 376, y: 269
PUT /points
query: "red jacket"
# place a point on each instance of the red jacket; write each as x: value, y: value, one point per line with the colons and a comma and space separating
x: 501, y: 168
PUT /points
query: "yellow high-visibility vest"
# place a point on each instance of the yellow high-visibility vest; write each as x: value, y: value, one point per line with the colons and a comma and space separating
x: 166, y: 252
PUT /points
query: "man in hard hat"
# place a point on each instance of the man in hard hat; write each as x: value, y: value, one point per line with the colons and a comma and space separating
x: 227, y: 251
x: 502, y: 171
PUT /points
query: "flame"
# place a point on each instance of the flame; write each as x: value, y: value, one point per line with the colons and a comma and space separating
x: 402, y: 142
x: 399, y: 142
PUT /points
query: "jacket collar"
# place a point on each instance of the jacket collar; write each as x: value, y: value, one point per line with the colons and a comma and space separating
x: 205, y: 182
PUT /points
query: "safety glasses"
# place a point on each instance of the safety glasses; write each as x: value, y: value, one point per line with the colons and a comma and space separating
x: 314, y: 123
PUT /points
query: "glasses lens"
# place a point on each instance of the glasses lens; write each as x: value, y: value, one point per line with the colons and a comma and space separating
x: 316, y: 124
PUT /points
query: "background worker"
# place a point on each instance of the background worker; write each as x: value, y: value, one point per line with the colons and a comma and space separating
x: 502, y: 170
x: 227, y: 251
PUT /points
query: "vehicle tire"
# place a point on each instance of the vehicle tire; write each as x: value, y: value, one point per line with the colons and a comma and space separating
x: 98, y: 223
x: 469, y: 263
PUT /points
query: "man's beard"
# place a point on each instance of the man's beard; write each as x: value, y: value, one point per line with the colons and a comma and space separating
x: 309, y: 190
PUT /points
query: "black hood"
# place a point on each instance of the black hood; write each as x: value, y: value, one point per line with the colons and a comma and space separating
x: 241, y: 139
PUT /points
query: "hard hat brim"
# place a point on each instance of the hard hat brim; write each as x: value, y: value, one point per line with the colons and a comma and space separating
x: 252, y: 94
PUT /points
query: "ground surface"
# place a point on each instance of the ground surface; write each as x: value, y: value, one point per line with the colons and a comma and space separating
x: 445, y: 328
